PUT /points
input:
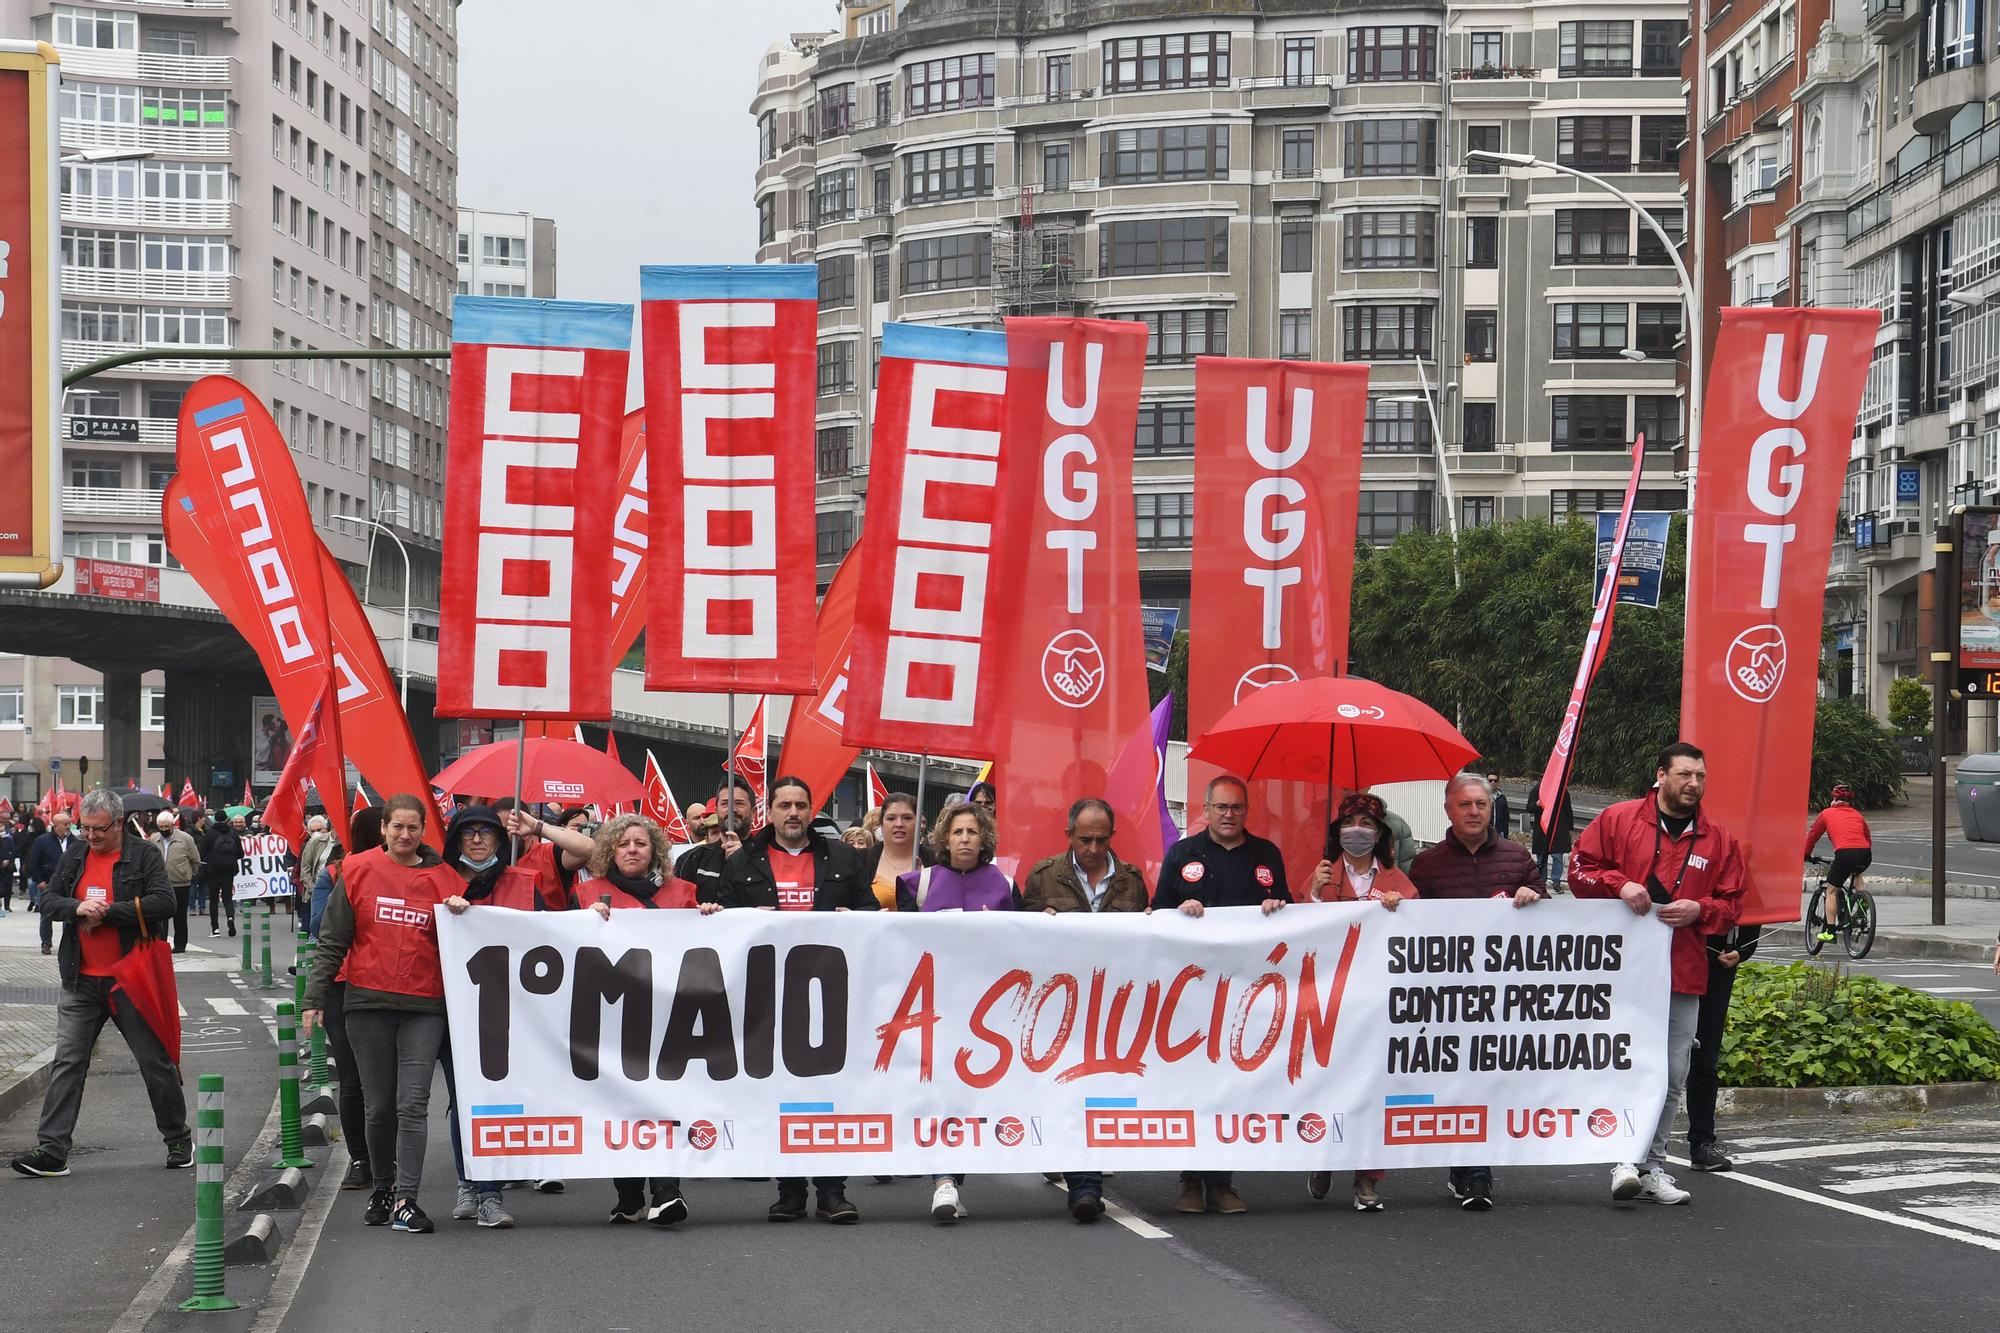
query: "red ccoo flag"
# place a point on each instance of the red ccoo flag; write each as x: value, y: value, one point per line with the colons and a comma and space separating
x: 611, y: 748
x: 748, y: 763
x: 188, y: 797
x: 659, y: 804
x: 878, y: 791
x: 360, y: 803
x: 249, y: 796
x: 286, y: 814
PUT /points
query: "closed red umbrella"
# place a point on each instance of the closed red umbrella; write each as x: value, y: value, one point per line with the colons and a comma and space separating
x: 144, y: 978
x: 540, y: 768
x: 1348, y: 732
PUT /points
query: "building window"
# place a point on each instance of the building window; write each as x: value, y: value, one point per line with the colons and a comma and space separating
x: 836, y: 110
x: 1565, y: 503
x: 1164, y: 153
x: 79, y: 705
x: 1481, y: 139
x: 1593, y: 236
x: 152, y: 708
x: 833, y: 197
x: 940, y: 263
x: 834, y: 529
x: 1650, y: 249
x: 1481, y: 334
x: 1295, y: 246
x: 1391, y: 55
x: 1660, y: 47
x: 1173, y: 60
x: 885, y: 100
x: 1396, y: 427
x: 836, y: 451
x: 1295, y: 335
x: 1485, y: 52
x: 1391, y: 147
x: 1055, y: 166
x: 1296, y: 153
x: 878, y: 277
x: 1165, y: 245
x: 1600, y: 142
x: 1657, y: 328
x: 1301, y: 61
x: 1478, y: 434
x: 1482, y: 242
x: 1601, y: 49
x: 767, y: 220
x: 1058, y: 75
x: 767, y: 136
x: 101, y: 473
x: 963, y: 171
x: 1658, y: 417
x: 10, y: 706
x: 836, y: 367
x: 1165, y: 520
x: 1165, y: 430
x: 1587, y: 421
x: 948, y: 84
x: 1590, y: 330
x: 98, y: 29
x: 1390, y: 240
x: 1177, y: 337
x: 836, y: 282
x: 1475, y: 511
x: 1387, y: 332
x: 1660, y: 140
x: 1387, y: 515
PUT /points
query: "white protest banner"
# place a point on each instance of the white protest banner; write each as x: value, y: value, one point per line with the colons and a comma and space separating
x: 262, y: 873
x: 1340, y: 1036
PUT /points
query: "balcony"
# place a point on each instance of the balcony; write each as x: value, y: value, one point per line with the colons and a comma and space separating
x: 1896, y: 640
x: 1886, y: 18
x: 876, y: 223
x: 160, y: 432
x: 1284, y: 93
x: 91, y: 62
x: 1052, y: 109
x: 1481, y: 461
x: 111, y: 502
x: 1844, y: 570
x: 77, y: 353
x: 177, y: 141
x: 176, y: 214
x: 198, y: 6
x: 1295, y: 185
x: 1941, y: 96
x: 131, y: 284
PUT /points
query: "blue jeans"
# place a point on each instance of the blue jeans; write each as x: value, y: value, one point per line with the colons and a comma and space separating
x: 318, y: 910
x: 1084, y: 1184
x: 1552, y: 865
x: 491, y: 1187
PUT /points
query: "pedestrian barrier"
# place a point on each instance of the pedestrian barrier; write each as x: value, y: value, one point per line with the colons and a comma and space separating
x: 291, y: 1146
x: 208, y: 1264
x: 249, y: 968
x: 264, y: 944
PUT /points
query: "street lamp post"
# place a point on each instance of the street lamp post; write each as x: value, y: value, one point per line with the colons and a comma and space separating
x: 403, y: 648
x: 1437, y: 451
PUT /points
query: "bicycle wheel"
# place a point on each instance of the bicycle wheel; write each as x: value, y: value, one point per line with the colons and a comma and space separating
x: 1860, y: 925
x: 1816, y: 921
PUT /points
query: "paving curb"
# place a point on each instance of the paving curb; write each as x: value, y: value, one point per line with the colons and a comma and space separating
x: 1891, y: 941
x: 26, y: 1082
x: 254, y: 1242
x: 1847, y: 1101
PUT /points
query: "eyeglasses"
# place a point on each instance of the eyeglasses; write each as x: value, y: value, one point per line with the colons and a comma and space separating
x: 482, y: 832
x: 98, y: 830
x: 1222, y: 809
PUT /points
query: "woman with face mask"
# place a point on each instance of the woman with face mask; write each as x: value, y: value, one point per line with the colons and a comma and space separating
x: 1360, y: 866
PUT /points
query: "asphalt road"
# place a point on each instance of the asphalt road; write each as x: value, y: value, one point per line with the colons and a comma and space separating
x: 1907, y: 855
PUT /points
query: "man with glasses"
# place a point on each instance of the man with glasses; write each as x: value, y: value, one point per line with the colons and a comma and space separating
x: 1222, y: 865
x: 98, y: 892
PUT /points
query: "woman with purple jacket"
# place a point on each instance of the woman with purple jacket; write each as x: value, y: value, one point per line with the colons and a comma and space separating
x: 963, y: 880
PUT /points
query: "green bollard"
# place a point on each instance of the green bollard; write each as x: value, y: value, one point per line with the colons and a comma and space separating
x: 302, y: 956
x: 249, y: 968
x: 264, y: 944
x: 316, y: 1070
x: 208, y: 1262
x: 291, y: 1146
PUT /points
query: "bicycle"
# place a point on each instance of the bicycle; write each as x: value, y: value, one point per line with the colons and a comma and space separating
x: 1857, y: 918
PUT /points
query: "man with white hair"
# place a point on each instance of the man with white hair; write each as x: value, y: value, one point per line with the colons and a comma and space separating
x: 312, y: 859
x: 183, y: 858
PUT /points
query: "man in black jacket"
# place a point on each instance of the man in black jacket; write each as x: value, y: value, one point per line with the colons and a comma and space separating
x: 788, y: 867
x: 43, y: 858
x: 98, y: 893
x: 701, y: 865
x: 219, y: 860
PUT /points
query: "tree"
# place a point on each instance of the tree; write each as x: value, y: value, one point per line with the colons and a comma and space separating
x: 1850, y: 746
x: 1910, y: 706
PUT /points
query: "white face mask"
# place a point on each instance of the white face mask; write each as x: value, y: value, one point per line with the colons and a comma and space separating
x: 477, y: 867
x: 1357, y: 841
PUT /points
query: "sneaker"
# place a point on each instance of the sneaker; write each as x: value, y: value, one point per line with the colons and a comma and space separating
x: 1477, y: 1197
x: 1660, y: 1188
x: 631, y: 1210
x: 1827, y: 935
x: 492, y: 1215
x: 788, y: 1208
x: 945, y: 1206
x: 666, y: 1214
x: 180, y: 1154
x: 1708, y: 1157
x: 1624, y: 1182
x: 232, y: 930
x: 550, y: 1185
x: 835, y: 1208
x: 46, y: 950
x: 408, y: 1217
x: 466, y: 1206
x: 215, y: 932
x: 39, y: 1162
x: 1227, y: 1201
x: 1366, y: 1200
x: 358, y: 1177
x: 377, y: 1212
x: 1086, y: 1207
x: 1319, y: 1184
x: 1193, y: 1198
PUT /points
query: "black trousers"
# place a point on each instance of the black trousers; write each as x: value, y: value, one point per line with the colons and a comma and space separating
x: 220, y: 899
x: 1709, y: 1023
x: 180, y: 918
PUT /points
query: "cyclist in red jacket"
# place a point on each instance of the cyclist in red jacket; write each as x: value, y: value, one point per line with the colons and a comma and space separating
x: 1852, y: 850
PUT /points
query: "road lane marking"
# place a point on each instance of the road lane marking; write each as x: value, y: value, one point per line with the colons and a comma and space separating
x: 1138, y: 1226
x: 1917, y: 1180
x: 1858, y: 1210
x: 1869, y: 1147
x: 222, y: 1004
x: 1958, y: 990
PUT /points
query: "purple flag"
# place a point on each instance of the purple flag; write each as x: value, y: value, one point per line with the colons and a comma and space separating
x: 1163, y: 717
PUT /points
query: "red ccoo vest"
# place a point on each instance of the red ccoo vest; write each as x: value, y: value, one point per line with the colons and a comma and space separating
x: 395, y: 924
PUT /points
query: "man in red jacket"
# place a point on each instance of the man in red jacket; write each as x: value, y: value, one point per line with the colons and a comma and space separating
x: 1661, y: 852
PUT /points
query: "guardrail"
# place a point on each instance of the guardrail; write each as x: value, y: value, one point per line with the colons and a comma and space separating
x: 135, y: 284
x: 112, y: 502
x: 97, y: 63
x: 176, y: 213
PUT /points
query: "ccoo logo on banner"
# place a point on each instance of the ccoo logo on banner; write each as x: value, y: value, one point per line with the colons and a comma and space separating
x: 751, y: 1043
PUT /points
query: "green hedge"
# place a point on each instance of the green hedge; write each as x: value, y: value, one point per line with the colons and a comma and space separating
x: 1805, y: 1026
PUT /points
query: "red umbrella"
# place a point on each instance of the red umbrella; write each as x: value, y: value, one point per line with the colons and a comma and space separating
x: 540, y: 769
x: 1353, y: 731
x: 145, y: 977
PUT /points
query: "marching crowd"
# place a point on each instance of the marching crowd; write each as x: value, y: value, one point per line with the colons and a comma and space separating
x: 377, y: 984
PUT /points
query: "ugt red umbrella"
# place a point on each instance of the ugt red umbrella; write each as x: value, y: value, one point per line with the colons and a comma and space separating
x: 144, y: 978
x: 1349, y: 732
x: 543, y: 769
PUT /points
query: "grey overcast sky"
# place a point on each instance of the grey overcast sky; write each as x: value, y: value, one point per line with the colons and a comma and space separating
x: 627, y: 121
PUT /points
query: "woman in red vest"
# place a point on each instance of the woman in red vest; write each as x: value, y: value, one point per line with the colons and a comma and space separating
x: 381, y: 926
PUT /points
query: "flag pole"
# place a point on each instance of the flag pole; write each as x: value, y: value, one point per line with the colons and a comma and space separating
x: 520, y: 759
x: 923, y: 766
x: 729, y: 767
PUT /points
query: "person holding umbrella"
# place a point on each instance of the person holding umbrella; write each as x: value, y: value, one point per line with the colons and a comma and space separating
x: 1222, y: 865
x: 104, y: 892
